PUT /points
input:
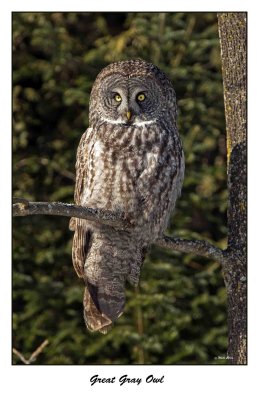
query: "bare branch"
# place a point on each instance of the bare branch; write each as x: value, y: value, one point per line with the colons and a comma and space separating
x: 19, y: 355
x: 22, y: 207
x: 197, y: 247
x: 33, y: 356
x: 39, y: 350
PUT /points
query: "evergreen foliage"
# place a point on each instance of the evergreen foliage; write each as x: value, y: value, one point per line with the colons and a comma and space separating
x: 178, y: 314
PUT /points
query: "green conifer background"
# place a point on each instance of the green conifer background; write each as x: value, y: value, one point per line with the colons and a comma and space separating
x: 178, y: 314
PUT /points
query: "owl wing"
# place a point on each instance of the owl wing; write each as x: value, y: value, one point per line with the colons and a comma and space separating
x: 82, y: 235
x: 94, y: 319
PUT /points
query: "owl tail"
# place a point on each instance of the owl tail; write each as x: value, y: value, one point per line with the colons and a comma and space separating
x: 94, y: 319
x: 108, y: 265
x: 103, y: 303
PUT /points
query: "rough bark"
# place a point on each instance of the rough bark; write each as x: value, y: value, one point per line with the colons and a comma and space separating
x: 232, y: 32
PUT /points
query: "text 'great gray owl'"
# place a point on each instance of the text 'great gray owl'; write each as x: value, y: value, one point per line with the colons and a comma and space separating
x: 130, y: 160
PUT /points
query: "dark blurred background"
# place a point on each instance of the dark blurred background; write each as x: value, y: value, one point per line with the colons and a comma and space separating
x: 178, y: 314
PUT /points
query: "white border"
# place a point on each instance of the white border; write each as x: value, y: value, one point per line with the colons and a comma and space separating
x: 70, y: 382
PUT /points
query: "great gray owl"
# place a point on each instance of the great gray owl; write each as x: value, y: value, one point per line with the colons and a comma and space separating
x: 130, y: 160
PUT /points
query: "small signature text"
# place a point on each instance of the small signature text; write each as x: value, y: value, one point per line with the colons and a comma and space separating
x: 223, y: 358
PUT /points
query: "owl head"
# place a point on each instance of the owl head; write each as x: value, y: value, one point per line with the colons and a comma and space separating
x: 131, y: 92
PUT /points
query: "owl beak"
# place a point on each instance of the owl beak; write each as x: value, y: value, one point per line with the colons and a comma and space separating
x: 128, y: 114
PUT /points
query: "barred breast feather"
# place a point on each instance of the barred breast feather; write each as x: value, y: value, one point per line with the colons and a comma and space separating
x: 139, y: 175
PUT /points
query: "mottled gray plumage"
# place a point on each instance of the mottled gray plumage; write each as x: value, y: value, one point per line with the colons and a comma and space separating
x: 130, y: 159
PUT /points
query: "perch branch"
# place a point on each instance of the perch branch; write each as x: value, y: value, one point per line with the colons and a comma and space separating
x: 23, y: 207
x: 197, y: 247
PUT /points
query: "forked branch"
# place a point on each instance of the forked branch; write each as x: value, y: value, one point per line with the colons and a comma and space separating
x: 33, y: 356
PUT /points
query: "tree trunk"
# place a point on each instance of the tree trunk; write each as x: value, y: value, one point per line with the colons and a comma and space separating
x: 232, y: 32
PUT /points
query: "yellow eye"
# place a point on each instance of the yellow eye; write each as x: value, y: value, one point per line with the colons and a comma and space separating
x: 141, y: 97
x: 117, y: 97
